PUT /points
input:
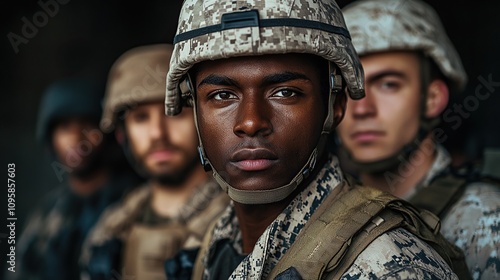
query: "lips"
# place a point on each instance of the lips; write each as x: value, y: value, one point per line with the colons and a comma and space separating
x: 253, y: 159
x: 367, y: 136
x: 161, y: 155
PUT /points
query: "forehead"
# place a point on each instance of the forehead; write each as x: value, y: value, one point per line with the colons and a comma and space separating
x: 407, y: 62
x: 252, y: 65
x: 146, y: 106
x: 81, y: 120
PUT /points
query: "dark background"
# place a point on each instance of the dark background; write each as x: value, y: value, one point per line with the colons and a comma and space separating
x: 85, y: 37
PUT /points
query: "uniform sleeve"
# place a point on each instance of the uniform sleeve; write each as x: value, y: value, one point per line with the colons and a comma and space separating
x: 473, y: 224
x: 398, y: 254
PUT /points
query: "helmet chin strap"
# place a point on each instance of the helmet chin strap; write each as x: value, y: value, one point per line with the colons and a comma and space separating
x: 280, y: 193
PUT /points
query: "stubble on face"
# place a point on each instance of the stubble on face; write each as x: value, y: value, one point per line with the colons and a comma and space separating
x: 379, y: 125
x: 164, y: 147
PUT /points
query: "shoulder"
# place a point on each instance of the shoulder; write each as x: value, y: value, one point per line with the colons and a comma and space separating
x: 117, y: 218
x: 479, y: 206
x: 399, y: 254
x: 473, y: 224
x: 114, y: 223
x: 48, y: 213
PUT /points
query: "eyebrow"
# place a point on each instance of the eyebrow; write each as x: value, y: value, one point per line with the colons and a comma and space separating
x: 284, y: 77
x: 217, y: 80
x: 385, y: 73
x: 277, y: 78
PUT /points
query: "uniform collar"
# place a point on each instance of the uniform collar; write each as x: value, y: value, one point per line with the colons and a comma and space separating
x: 283, y: 231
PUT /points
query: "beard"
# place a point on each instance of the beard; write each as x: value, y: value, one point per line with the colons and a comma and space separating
x: 90, y: 164
x: 177, y: 178
x: 173, y: 177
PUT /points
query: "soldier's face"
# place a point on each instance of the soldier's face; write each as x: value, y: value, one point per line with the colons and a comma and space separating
x: 259, y: 117
x: 164, y: 146
x: 76, y: 142
x: 379, y: 125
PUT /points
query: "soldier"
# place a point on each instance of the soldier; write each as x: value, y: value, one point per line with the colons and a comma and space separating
x: 174, y: 207
x: 267, y: 80
x: 411, y: 67
x: 68, y: 127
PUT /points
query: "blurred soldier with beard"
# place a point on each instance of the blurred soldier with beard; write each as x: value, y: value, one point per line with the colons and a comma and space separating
x: 68, y: 120
x: 172, y: 210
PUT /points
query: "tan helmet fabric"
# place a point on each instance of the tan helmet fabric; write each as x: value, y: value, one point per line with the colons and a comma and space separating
x: 387, y: 25
x: 137, y: 76
x: 210, y: 30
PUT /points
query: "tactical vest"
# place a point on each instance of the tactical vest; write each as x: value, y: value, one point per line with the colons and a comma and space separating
x: 342, y: 227
x: 147, y: 247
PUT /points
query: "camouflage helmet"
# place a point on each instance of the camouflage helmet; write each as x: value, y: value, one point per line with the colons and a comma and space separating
x: 213, y: 30
x: 387, y: 25
x: 210, y: 30
x: 137, y: 76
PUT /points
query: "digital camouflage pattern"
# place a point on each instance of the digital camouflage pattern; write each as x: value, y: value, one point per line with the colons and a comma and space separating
x: 396, y: 25
x: 134, y: 215
x: 397, y: 254
x: 137, y: 76
x: 473, y: 222
x: 249, y: 41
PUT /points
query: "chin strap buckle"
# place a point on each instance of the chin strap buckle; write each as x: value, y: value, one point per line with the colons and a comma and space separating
x: 204, y: 160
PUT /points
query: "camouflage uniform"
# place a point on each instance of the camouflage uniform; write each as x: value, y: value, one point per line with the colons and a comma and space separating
x: 472, y: 221
x: 215, y: 30
x: 410, y: 25
x: 397, y: 254
x: 131, y: 240
x: 105, y: 254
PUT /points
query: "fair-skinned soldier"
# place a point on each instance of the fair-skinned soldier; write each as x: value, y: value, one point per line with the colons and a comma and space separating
x: 411, y: 68
x: 172, y: 209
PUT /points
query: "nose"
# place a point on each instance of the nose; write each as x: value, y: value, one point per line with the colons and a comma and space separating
x: 253, y: 118
x: 157, y: 129
x: 363, y: 108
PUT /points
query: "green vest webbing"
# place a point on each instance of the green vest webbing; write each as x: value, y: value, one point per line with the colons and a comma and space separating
x: 440, y: 195
x: 341, y: 228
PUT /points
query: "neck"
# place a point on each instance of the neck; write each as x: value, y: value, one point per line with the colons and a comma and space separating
x: 167, y: 200
x: 255, y: 218
x: 404, y: 178
x: 88, y: 185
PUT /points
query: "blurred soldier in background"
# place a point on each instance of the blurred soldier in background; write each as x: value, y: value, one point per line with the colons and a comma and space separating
x: 268, y: 83
x: 411, y: 67
x: 68, y: 120
x: 172, y: 210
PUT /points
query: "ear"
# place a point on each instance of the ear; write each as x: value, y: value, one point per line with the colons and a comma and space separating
x: 339, y: 107
x: 437, y: 98
x: 120, y: 135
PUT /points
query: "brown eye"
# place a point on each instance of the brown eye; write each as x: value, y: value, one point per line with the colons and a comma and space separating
x: 389, y: 86
x: 285, y: 93
x: 223, y: 95
x: 139, y: 116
